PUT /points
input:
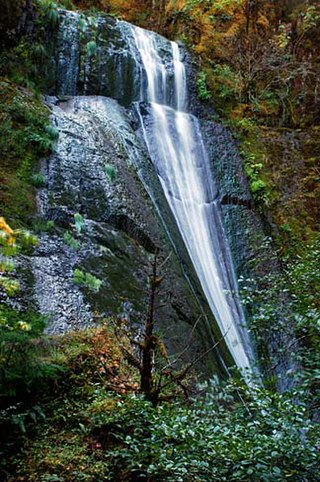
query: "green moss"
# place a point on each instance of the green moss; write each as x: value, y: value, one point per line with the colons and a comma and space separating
x: 290, y: 159
x: 26, y: 135
x: 253, y: 153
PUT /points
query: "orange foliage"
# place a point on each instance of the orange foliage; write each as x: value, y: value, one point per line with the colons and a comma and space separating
x: 102, y: 358
x: 6, y: 232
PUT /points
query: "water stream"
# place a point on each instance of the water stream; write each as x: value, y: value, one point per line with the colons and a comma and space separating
x: 175, y: 144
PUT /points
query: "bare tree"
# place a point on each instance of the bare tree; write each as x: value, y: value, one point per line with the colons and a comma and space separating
x: 166, y: 382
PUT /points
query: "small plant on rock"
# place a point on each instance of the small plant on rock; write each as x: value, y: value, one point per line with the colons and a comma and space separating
x: 87, y: 280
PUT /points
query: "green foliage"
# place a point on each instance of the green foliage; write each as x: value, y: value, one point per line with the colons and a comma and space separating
x: 25, y: 137
x: 304, y: 274
x: 214, y: 438
x: 203, y: 93
x: 71, y: 241
x: 20, y: 365
x: 38, y: 51
x: 110, y: 171
x: 257, y: 185
x: 44, y: 142
x: 43, y: 226
x: 48, y: 11
x: 229, y: 432
x: 225, y: 81
x: 253, y: 171
x: 38, y: 180
x: 10, y: 286
x: 87, y: 280
x: 67, y: 4
x: 295, y: 316
x: 24, y: 376
x: 12, y: 243
x: 29, y: 62
x: 254, y: 161
x: 79, y: 223
x: 92, y: 48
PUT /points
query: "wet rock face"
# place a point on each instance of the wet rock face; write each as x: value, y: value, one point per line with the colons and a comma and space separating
x: 96, y: 172
x: 97, y: 56
x: 252, y: 252
x: 94, y: 58
x: 17, y: 19
x: 89, y: 176
x: 57, y: 297
x: 226, y: 164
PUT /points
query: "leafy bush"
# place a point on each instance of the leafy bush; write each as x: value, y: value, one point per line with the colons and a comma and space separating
x: 215, y: 438
x: 11, y: 243
x: 25, y: 377
x: 226, y: 82
x: 203, y: 92
x: 43, y: 226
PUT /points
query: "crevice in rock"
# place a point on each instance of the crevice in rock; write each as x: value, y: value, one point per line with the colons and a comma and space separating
x: 226, y: 199
x: 128, y: 226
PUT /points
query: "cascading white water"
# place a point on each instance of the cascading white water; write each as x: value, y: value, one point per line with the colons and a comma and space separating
x: 177, y: 150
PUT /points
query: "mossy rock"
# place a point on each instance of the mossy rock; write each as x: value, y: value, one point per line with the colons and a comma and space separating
x: 24, y: 137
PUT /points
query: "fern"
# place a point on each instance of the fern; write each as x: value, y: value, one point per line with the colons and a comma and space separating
x: 110, y: 171
x: 71, y: 241
x: 38, y: 180
x: 92, y: 48
x: 87, y: 280
x: 79, y: 223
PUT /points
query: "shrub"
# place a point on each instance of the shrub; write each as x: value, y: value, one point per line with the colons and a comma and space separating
x: 43, y: 226
x: 11, y: 243
x: 217, y: 438
x: 203, y: 92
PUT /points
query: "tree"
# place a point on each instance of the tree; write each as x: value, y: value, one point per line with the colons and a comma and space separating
x: 171, y: 377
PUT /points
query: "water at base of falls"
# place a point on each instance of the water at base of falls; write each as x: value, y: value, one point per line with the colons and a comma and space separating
x: 176, y: 147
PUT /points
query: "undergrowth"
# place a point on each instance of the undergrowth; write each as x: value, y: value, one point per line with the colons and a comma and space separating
x: 93, y: 425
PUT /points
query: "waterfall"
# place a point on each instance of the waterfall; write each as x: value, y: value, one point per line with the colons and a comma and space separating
x: 136, y: 66
x: 69, y: 54
x: 176, y: 147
